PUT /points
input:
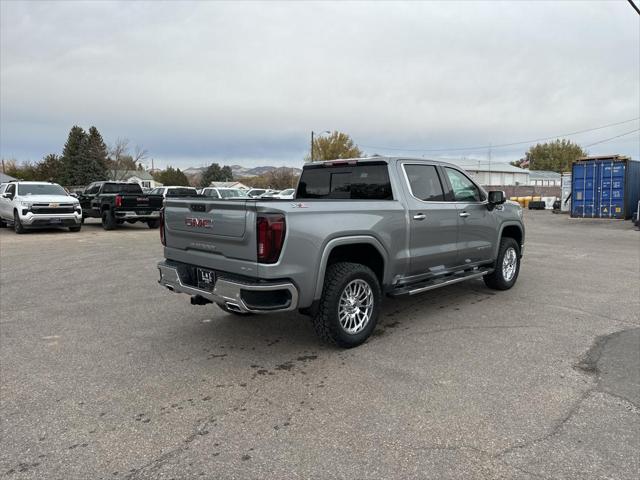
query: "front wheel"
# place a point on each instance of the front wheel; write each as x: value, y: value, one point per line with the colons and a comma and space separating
x: 350, y: 304
x: 507, y: 266
x: 17, y: 224
x: 153, y: 223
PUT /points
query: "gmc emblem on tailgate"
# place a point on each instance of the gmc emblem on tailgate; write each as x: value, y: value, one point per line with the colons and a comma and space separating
x: 197, y: 222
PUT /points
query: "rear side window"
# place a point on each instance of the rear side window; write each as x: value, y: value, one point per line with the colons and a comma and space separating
x: 121, y: 188
x: 355, y: 182
x: 425, y: 183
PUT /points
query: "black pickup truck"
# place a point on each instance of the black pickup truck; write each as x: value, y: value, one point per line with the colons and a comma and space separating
x: 119, y: 202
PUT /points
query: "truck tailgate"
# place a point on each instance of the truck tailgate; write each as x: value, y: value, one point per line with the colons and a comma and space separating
x: 135, y: 202
x: 225, y: 228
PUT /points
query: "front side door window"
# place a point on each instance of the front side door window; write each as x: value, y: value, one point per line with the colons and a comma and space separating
x: 464, y: 190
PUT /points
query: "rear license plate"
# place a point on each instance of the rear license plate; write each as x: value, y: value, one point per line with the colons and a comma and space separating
x: 206, y: 279
x: 55, y: 220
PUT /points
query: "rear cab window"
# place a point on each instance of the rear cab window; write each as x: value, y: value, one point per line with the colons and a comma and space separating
x: 345, y: 180
x: 133, y: 188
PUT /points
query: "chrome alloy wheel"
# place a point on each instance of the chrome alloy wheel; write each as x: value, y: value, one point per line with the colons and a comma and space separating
x: 509, y: 264
x: 355, y: 306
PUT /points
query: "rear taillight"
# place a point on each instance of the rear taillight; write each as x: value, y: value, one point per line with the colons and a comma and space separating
x: 163, y: 239
x: 118, y: 201
x: 271, y: 230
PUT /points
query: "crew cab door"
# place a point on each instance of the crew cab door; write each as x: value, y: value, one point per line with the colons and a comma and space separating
x: 477, y: 225
x: 86, y: 200
x: 433, y: 221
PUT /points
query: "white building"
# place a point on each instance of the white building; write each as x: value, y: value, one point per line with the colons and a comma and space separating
x: 494, y: 173
x: 238, y: 185
x: 141, y: 177
x: 544, y: 178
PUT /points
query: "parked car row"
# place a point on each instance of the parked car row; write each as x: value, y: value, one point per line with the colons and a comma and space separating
x: 30, y: 205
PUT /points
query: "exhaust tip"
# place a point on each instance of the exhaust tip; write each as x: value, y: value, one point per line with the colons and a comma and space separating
x: 234, y: 307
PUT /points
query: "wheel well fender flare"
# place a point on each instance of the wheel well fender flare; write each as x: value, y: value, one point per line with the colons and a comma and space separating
x: 502, y: 229
x: 341, y: 241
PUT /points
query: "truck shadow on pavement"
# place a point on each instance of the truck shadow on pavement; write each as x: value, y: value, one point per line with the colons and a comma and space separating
x: 428, y: 310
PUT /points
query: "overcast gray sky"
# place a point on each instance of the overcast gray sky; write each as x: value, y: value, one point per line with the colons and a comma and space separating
x: 247, y: 82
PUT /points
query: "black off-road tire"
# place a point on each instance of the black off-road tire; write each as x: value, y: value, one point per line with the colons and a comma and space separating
x: 496, y: 279
x: 17, y: 224
x: 75, y: 229
x: 153, y: 223
x: 326, y: 321
x: 3, y: 224
x: 108, y: 220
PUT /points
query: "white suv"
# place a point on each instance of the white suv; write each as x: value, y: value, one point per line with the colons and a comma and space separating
x: 38, y: 204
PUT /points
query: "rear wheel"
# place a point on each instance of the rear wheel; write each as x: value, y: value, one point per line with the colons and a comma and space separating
x: 507, y: 266
x: 108, y: 221
x: 153, y: 223
x: 3, y: 224
x: 17, y: 224
x: 350, y: 303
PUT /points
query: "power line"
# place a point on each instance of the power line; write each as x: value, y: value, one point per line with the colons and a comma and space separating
x: 635, y: 7
x: 613, y: 138
x: 484, y: 147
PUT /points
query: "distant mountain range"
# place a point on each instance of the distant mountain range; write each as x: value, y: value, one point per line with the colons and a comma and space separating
x: 241, y: 172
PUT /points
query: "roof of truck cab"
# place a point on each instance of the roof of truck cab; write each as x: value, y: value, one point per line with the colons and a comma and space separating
x: 380, y: 158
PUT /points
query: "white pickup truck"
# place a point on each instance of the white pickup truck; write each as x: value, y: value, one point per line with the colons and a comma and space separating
x: 26, y: 205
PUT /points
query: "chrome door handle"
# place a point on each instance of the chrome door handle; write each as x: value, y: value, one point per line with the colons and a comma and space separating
x: 464, y: 214
x: 419, y: 216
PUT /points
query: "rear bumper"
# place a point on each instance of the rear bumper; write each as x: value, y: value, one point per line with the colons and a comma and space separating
x: 245, y: 297
x: 131, y: 215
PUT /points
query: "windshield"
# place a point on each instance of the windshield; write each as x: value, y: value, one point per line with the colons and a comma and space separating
x: 40, y: 189
x: 181, y: 192
x: 121, y: 188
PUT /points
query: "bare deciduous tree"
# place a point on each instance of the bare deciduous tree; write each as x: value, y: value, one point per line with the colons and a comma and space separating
x: 121, y: 161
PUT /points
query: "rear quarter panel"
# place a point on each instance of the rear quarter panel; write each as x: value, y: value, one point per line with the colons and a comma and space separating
x: 312, y: 225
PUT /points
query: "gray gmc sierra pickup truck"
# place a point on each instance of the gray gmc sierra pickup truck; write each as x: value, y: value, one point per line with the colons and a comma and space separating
x: 357, y: 229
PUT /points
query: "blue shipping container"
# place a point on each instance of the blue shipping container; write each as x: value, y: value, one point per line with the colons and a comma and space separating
x: 602, y: 188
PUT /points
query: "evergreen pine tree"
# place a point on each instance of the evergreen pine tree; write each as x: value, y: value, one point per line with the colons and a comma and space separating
x: 73, y: 157
x: 95, y: 167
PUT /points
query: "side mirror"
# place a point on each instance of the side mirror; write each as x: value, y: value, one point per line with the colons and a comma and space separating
x: 7, y: 195
x: 73, y: 194
x: 496, y: 197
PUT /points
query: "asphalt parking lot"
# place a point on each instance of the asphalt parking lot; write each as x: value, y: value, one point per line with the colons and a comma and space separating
x: 106, y: 375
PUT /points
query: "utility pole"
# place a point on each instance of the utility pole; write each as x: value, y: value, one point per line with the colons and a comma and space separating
x: 311, y: 148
